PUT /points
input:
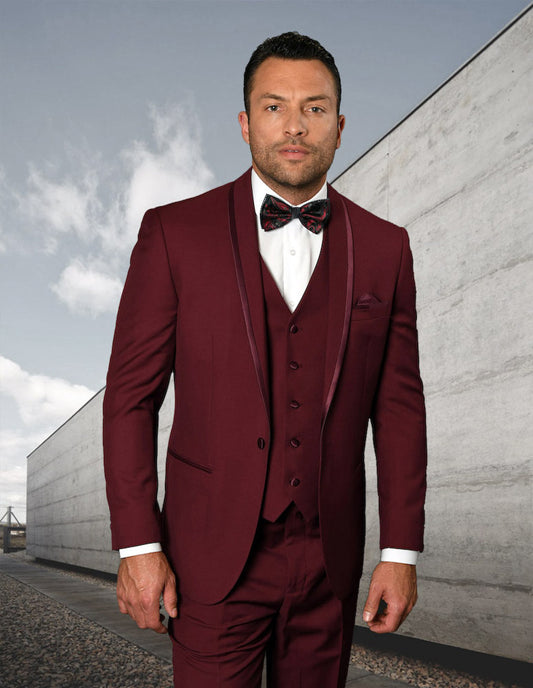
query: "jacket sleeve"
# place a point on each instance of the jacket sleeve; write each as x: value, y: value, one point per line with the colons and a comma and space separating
x: 399, y: 422
x: 141, y: 363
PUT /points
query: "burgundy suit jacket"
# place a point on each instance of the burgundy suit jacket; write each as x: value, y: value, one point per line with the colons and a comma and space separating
x: 193, y: 307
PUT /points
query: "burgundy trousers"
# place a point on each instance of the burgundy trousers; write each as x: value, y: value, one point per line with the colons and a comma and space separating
x: 282, y: 608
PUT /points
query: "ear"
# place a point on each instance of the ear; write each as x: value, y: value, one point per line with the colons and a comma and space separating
x: 243, y: 121
x: 340, y: 126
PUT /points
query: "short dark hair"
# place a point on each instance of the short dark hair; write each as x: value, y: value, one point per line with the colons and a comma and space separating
x: 289, y: 46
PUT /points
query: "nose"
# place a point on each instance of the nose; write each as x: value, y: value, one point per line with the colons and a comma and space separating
x: 295, y: 124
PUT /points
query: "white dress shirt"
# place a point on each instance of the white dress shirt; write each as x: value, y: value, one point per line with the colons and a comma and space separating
x: 290, y: 254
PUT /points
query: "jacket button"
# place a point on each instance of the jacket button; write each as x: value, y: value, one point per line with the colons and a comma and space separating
x: 295, y: 443
x: 294, y: 482
x: 293, y: 365
x: 294, y: 404
x: 293, y: 329
x: 261, y: 443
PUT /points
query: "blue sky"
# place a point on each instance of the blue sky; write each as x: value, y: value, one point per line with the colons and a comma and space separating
x: 109, y: 107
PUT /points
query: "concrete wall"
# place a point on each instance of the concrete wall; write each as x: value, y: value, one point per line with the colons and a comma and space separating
x: 457, y: 173
x: 68, y: 517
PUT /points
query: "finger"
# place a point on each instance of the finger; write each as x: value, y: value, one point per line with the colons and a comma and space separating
x: 144, y: 611
x: 122, y: 605
x: 379, y: 626
x: 389, y: 621
x: 372, y: 604
x: 384, y: 623
x: 170, y: 598
x: 392, y: 621
x: 155, y: 624
x: 148, y: 622
x: 149, y: 614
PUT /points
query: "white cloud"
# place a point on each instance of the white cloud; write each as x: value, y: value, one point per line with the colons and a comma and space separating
x: 61, y: 207
x: 169, y: 168
x: 41, y: 401
x: 86, y: 290
x: 14, y: 448
x: 101, y: 208
x: 175, y: 170
x: 13, y: 478
x: 15, y: 445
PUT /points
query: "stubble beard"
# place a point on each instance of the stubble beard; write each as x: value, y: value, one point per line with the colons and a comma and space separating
x: 300, y: 176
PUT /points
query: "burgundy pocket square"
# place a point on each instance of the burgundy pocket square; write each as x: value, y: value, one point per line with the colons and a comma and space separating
x: 365, y: 301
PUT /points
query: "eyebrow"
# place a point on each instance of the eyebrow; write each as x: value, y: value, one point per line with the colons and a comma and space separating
x: 275, y: 96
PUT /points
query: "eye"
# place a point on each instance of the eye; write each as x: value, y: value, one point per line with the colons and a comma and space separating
x: 273, y: 108
x: 316, y: 108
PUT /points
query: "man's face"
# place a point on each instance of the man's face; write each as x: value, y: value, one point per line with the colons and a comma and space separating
x: 292, y: 128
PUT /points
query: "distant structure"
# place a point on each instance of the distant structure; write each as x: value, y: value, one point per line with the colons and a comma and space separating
x: 8, y: 518
x: 12, y: 536
x: 457, y: 172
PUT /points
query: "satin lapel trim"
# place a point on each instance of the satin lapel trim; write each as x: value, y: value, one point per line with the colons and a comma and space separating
x: 341, y: 275
x: 245, y: 247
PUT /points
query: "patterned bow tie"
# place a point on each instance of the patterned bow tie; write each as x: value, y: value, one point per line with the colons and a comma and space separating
x: 275, y: 213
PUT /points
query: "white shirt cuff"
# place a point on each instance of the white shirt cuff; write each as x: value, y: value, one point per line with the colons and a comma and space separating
x: 140, y: 549
x: 399, y: 556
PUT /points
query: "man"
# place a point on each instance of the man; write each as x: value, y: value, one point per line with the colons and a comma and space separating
x: 286, y: 330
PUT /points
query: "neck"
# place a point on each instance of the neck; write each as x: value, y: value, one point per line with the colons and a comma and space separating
x: 295, y: 195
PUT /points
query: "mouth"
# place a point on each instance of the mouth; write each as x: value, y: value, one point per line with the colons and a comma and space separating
x: 293, y: 152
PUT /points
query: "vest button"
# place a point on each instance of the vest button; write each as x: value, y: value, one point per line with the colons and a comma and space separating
x: 293, y: 329
x: 294, y: 482
x: 261, y: 443
x: 294, y: 404
x: 293, y: 365
x: 295, y: 443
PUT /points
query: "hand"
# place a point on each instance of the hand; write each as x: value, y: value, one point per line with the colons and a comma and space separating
x: 395, y: 584
x: 142, y: 579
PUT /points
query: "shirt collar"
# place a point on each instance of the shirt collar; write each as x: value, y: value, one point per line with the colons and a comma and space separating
x: 260, y: 189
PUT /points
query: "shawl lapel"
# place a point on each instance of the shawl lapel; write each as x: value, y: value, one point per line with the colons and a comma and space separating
x: 245, y: 247
x: 341, y: 276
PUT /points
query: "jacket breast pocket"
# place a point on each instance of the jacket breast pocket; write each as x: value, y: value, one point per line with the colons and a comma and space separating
x: 374, y: 310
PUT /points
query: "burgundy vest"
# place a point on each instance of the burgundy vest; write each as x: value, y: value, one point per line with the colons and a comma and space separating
x: 297, y: 345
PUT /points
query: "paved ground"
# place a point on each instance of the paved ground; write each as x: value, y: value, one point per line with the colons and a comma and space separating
x: 98, y: 604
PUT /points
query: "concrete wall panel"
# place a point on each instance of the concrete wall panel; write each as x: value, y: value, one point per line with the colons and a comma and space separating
x: 69, y: 519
